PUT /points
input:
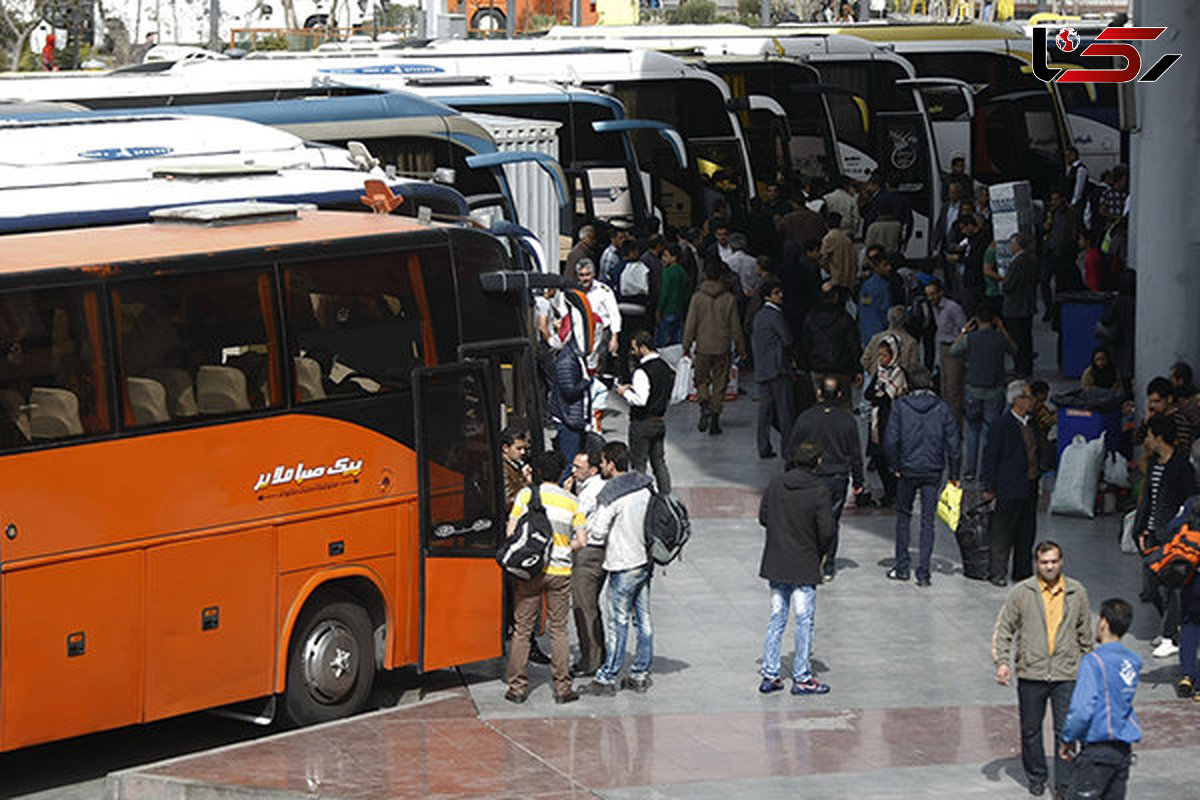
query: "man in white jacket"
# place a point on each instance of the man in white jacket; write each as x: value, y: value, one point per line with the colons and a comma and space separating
x: 618, y: 524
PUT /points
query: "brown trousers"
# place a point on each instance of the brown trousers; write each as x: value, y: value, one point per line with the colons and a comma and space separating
x: 527, y: 598
x: 954, y: 381
x: 587, y: 580
x: 712, y: 377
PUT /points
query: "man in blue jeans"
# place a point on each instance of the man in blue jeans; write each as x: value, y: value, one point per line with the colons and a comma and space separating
x: 984, y: 343
x: 798, y: 515
x: 619, y: 522
x: 920, y: 441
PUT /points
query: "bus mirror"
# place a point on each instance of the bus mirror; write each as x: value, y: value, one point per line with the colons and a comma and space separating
x: 444, y: 175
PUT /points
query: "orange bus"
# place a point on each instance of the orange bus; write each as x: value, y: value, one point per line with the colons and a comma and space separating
x: 248, y: 461
x: 489, y: 17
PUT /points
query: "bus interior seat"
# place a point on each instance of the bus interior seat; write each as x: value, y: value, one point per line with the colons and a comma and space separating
x: 148, y: 401
x: 181, y: 396
x: 54, y: 413
x: 220, y: 390
x: 13, y: 404
x: 308, y: 379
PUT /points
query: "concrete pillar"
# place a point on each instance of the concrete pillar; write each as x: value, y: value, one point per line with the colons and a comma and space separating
x: 1165, y: 214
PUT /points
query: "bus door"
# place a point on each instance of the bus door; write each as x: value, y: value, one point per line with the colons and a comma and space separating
x: 514, y: 372
x: 1017, y: 134
x: 951, y: 106
x: 461, y: 514
x: 906, y: 155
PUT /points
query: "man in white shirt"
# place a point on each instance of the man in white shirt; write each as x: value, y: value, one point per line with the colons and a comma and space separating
x: 604, y: 305
x: 587, y: 574
x: 844, y: 202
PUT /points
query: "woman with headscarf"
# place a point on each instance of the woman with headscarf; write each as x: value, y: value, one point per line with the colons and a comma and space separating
x: 888, y: 383
x: 1102, y: 373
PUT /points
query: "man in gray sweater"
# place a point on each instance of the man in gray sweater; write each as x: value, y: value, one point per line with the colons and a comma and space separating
x: 984, y: 342
x: 835, y: 431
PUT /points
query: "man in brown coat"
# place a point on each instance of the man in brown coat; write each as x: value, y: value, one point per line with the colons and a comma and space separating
x: 712, y: 325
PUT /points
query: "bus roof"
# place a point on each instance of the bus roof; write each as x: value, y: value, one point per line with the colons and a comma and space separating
x: 98, y: 248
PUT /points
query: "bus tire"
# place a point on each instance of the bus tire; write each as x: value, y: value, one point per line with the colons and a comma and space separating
x: 490, y: 20
x: 331, y: 660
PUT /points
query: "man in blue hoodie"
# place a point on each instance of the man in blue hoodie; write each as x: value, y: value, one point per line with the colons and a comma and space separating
x: 921, y: 440
x: 1101, y: 717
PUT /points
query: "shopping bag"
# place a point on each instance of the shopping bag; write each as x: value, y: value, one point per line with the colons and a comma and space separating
x: 1078, y: 473
x: 1116, y: 471
x: 950, y: 506
x: 684, y: 374
x: 1128, y: 545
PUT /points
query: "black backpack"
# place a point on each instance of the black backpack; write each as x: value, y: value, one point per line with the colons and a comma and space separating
x: 667, y: 528
x: 526, y: 552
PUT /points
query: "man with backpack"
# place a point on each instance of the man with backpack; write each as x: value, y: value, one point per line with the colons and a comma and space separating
x: 796, y: 513
x: 1170, y: 481
x: 618, y: 524
x: 545, y: 508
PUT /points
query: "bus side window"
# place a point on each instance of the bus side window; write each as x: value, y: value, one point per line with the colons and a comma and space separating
x: 53, y: 382
x: 196, y: 345
x: 360, y: 326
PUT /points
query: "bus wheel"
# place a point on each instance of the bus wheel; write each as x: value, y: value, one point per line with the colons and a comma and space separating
x: 489, y: 19
x: 331, y: 662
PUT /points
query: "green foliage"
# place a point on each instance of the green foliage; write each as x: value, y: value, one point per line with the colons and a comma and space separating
x: 543, y: 22
x: 750, y: 12
x: 695, y: 12
x: 275, y: 41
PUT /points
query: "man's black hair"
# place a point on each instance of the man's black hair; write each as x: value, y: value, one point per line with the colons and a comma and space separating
x: 643, y: 338
x: 1183, y: 371
x: 806, y: 455
x: 767, y: 286
x: 1163, y: 427
x: 617, y: 454
x: 1161, y: 387
x: 811, y: 244
x: 631, y: 249
x: 547, y: 466
x: 833, y: 219
x: 1118, y: 614
x: 512, y: 433
x: 1045, y: 546
x: 1038, y: 387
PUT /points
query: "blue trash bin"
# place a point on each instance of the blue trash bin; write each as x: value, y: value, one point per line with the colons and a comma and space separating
x: 1090, y: 424
x: 1080, y: 311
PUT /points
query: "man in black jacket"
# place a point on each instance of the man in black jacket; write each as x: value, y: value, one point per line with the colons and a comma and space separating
x: 796, y: 512
x: 921, y: 439
x: 1010, y: 476
x: 648, y: 396
x: 1169, y: 481
x: 830, y: 345
x: 772, y: 345
x: 834, y: 430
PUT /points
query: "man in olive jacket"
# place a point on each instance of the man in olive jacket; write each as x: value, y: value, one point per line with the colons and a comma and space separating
x: 1049, y: 616
x: 798, y: 515
x: 712, y: 324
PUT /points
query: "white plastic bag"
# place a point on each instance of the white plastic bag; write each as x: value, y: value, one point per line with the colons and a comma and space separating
x: 1078, y: 474
x: 1116, y: 471
x: 684, y: 373
x: 1128, y: 545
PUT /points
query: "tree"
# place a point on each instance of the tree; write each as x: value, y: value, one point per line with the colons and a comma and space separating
x: 16, y: 28
x: 695, y: 12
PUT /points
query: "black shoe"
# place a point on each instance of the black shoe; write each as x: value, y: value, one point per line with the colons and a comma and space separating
x: 924, y: 583
x: 705, y: 417
x: 714, y: 425
x: 1001, y: 582
x: 569, y: 696
x: 580, y: 671
x: 602, y: 689
x: 537, y: 655
x: 638, y: 684
x: 897, y: 574
x: 1060, y: 793
x: 1037, y: 788
x: 513, y: 696
x: 767, y: 454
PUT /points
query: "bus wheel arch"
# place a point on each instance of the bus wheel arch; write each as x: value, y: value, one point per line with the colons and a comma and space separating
x: 491, y: 20
x: 334, y: 651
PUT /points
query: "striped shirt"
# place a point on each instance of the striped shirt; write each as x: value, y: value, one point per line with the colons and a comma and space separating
x: 565, y: 517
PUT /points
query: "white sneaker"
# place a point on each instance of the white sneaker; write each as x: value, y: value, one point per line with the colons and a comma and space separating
x: 1166, y: 649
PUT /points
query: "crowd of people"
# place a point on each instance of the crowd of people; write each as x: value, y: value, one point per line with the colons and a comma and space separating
x: 812, y: 294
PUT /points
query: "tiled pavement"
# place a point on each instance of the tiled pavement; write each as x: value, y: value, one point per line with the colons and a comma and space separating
x: 913, y: 711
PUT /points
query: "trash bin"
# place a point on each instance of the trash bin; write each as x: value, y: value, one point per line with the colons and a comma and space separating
x: 1088, y: 423
x: 1080, y: 311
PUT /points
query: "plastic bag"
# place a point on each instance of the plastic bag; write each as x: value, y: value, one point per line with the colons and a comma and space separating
x: 1128, y: 545
x: 1116, y: 471
x: 684, y: 374
x: 949, y: 507
x: 1078, y: 474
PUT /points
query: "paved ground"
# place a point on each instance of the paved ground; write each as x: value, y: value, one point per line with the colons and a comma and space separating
x: 913, y: 712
